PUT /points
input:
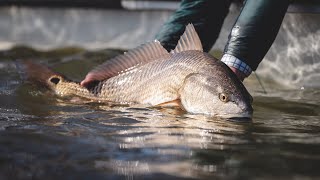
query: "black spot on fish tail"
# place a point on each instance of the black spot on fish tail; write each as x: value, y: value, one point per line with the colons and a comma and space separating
x: 37, y: 73
x: 55, y: 80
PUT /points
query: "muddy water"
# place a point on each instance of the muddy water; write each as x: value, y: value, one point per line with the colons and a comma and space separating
x: 43, y: 137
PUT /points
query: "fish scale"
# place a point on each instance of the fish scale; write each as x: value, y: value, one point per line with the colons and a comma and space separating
x: 164, y: 78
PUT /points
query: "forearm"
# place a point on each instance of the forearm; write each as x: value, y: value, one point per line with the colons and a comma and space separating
x: 206, y: 15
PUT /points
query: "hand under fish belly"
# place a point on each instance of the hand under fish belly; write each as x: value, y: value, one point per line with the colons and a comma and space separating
x: 185, y: 77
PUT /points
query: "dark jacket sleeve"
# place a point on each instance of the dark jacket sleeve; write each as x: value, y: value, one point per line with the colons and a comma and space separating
x: 255, y: 30
x: 206, y: 15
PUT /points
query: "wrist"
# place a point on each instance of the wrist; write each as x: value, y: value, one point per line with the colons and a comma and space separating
x: 239, y: 74
x: 239, y: 67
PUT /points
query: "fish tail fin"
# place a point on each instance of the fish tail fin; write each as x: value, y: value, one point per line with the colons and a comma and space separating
x: 37, y: 73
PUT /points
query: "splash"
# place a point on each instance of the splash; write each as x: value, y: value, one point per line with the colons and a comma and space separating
x: 293, y: 60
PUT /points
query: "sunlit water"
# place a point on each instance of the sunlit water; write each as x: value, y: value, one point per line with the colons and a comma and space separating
x: 44, y: 137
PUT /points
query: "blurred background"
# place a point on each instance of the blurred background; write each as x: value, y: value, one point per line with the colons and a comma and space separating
x: 46, y: 137
x: 293, y: 60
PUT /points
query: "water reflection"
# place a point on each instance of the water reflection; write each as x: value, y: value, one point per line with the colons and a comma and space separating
x: 44, y: 137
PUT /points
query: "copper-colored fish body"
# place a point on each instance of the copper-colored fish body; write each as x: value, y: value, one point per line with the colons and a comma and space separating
x: 154, y: 83
x: 150, y: 75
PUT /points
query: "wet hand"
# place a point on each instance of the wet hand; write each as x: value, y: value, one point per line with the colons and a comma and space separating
x: 239, y: 73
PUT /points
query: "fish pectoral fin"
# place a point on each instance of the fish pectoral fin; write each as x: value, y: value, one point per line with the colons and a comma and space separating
x: 188, y: 41
x: 174, y: 103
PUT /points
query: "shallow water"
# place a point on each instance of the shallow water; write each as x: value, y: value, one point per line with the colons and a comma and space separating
x: 43, y: 137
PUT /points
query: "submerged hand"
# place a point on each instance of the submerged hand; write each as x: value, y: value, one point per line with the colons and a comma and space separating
x: 86, y: 81
x: 90, y: 81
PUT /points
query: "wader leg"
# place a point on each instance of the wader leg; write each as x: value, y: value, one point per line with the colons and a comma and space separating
x: 206, y: 15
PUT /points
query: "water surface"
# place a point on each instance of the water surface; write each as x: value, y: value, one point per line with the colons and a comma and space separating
x: 44, y: 137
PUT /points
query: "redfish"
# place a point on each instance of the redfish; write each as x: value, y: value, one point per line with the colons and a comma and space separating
x: 186, y: 77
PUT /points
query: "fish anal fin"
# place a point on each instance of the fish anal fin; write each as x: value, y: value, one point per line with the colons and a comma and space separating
x: 188, y: 41
x: 119, y: 64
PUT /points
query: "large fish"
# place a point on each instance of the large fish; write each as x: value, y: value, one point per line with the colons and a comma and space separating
x: 149, y: 75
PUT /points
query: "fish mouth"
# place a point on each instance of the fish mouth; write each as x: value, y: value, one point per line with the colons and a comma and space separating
x: 243, y: 117
x: 240, y: 119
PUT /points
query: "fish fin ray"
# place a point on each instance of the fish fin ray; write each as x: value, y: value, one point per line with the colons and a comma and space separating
x: 135, y: 57
x: 188, y: 41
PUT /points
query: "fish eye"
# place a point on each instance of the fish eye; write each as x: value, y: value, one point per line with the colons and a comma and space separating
x: 55, y: 80
x: 223, y: 97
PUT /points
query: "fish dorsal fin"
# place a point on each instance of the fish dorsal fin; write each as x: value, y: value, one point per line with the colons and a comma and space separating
x: 188, y: 41
x: 135, y: 57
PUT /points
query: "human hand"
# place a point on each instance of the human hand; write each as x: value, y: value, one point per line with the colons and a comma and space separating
x: 239, y: 73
